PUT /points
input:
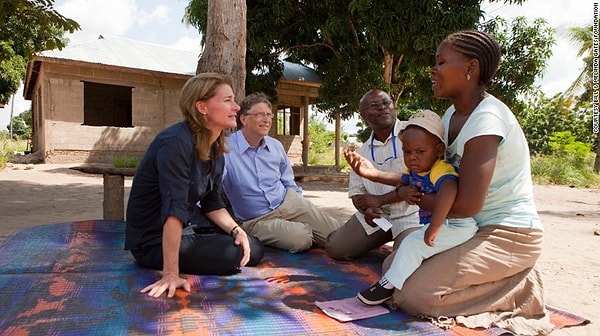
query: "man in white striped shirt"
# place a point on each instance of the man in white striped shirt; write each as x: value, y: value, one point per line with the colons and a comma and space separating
x: 375, y: 201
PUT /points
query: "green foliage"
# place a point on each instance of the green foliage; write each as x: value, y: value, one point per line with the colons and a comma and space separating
x: 564, y: 143
x: 326, y: 160
x: 4, y: 150
x: 21, y: 125
x: 363, y: 134
x: 321, y: 140
x: 570, y: 162
x: 126, y: 162
x: 543, y: 117
x: 321, y: 151
x: 565, y: 169
x: 583, y: 38
x: 8, y: 147
x: 357, y: 45
x: 526, y: 48
x: 12, y: 72
x: 26, y: 28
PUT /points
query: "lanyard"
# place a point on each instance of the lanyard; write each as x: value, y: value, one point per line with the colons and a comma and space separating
x: 393, y: 144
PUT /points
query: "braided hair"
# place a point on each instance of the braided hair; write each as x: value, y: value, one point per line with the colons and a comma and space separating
x: 481, y: 46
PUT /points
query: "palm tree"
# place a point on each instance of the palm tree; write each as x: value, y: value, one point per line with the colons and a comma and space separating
x: 583, y: 38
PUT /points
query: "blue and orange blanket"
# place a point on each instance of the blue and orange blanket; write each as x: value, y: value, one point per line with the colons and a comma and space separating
x: 76, y: 279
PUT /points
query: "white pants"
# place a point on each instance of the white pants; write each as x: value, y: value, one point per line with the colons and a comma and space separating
x: 413, y: 250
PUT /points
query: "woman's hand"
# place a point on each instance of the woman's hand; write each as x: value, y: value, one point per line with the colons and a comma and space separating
x: 170, y: 280
x: 169, y: 283
x: 240, y: 238
x: 224, y: 220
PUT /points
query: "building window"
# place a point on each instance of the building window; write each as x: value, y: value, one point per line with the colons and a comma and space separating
x: 107, y: 105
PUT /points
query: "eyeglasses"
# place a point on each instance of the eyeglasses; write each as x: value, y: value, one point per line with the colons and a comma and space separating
x: 374, y: 106
x: 262, y: 115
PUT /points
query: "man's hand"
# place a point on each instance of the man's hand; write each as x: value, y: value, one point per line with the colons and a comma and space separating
x: 409, y: 194
x: 363, y: 202
x: 371, y: 213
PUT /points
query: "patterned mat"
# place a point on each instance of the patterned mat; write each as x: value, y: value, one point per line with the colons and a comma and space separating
x: 76, y: 279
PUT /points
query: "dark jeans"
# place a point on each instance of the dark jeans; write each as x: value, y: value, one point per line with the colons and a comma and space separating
x: 203, y: 253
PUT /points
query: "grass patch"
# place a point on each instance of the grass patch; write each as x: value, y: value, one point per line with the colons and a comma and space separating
x: 8, y: 147
x: 566, y: 169
x: 126, y: 162
x: 4, y: 153
x: 327, y: 159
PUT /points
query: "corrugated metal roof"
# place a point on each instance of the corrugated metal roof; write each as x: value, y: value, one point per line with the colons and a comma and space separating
x: 299, y: 72
x: 131, y: 54
x: 134, y: 54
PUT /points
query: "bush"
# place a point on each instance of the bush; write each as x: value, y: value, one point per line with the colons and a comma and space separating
x: 565, y: 169
x: 571, y: 162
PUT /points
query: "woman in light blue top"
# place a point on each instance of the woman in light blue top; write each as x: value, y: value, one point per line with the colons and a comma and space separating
x: 491, y: 279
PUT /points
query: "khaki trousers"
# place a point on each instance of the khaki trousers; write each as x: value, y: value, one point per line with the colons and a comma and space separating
x: 492, y: 275
x: 294, y: 226
x: 350, y: 240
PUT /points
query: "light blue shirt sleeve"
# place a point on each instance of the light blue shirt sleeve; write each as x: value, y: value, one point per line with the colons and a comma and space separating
x: 256, y: 179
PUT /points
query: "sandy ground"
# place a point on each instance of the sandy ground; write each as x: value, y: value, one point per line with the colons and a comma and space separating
x: 45, y: 194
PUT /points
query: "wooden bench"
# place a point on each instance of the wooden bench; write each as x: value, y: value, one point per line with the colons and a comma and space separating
x: 113, y: 206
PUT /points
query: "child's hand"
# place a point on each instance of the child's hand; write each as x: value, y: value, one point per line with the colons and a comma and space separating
x: 430, y: 235
x: 360, y: 165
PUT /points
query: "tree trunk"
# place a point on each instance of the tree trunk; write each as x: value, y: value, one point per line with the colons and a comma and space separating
x: 225, y: 48
x: 12, y: 109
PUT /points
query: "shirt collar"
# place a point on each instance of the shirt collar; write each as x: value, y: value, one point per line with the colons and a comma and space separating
x: 397, y: 128
x: 243, y: 145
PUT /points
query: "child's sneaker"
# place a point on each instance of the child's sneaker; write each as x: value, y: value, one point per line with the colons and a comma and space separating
x: 374, y: 295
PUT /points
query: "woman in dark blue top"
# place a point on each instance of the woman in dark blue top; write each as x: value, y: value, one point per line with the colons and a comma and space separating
x: 176, y: 217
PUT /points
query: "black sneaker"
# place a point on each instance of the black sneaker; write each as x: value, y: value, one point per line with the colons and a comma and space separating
x: 374, y: 295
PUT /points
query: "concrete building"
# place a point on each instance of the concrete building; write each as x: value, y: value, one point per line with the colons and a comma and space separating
x: 108, y: 98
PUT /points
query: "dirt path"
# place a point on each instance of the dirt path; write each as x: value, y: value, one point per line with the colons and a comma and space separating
x: 48, y: 194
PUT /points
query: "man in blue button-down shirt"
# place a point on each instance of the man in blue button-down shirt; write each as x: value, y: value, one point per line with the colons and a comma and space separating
x: 259, y: 183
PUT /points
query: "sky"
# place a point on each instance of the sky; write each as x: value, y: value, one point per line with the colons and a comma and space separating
x: 160, y: 22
